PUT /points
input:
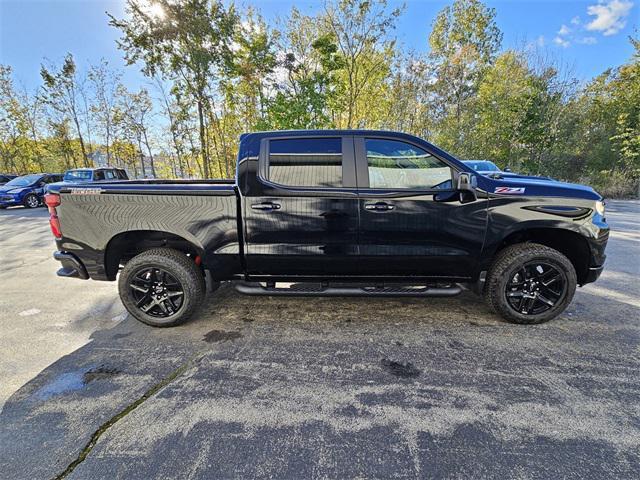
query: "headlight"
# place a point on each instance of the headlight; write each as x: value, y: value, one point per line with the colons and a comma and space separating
x: 600, y: 208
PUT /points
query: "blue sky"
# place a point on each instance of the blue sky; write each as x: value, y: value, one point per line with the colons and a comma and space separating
x: 588, y: 36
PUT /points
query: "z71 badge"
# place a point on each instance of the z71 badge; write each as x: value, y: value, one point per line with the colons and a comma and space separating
x: 509, y: 190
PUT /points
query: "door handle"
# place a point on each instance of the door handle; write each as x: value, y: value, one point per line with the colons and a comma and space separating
x: 378, y: 207
x: 268, y: 206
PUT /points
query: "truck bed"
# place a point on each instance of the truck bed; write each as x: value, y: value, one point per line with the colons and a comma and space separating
x: 95, y: 216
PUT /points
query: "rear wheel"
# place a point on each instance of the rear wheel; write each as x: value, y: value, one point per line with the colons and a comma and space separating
x: 161, y: 287
x: 31, y: 201
x: 530, y: 283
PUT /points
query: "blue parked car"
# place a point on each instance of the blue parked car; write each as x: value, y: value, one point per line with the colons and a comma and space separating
x: 27, y: 190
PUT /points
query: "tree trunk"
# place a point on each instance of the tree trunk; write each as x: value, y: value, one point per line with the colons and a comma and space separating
x: 146, y: 142
x: 203, y: 140
x: 144, y: 174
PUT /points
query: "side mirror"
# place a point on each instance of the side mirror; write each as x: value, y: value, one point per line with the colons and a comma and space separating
x: 467, y: 187
x: 507, y: 169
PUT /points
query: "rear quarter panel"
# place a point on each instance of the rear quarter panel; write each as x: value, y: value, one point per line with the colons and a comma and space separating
x: 208, y: 220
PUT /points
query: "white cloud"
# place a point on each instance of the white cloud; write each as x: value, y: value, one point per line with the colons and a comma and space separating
x: 588, y: 41
x: 610, y: 17
x: 562, y: 42
x: 564, y: 30
x: 540, y: 41
x: 575, y: 20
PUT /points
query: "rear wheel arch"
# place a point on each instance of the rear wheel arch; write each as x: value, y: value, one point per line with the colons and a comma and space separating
x: 126, y: 245
x: 568, y: 242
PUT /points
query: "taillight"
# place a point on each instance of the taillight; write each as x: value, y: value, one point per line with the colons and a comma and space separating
x: 52, y: 200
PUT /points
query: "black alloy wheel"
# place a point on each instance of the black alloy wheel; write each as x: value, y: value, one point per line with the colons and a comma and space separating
x: 156, y: 292
x: 535, y: 288
x: 530, y: 283
x: 161, y: 287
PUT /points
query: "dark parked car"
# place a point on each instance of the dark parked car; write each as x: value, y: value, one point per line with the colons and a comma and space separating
x: 27, y: 190
x: 490, y: 169
x: 345, y: 212
x: 5, y: 177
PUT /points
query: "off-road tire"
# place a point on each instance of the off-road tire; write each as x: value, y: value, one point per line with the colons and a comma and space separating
x: 177, y: 264
x: 506, y: 265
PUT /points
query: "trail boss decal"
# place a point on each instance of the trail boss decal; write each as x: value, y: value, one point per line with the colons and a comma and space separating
x: 510, y: 190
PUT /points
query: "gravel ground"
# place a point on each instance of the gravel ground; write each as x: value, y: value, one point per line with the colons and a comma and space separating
x: 258, y: 387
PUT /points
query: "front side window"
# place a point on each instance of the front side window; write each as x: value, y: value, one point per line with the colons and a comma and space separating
x: 395, y: 164
x: 306, y: 162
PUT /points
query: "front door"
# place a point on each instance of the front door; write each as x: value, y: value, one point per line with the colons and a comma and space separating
x: 411, y: 220
x: 301, y: 213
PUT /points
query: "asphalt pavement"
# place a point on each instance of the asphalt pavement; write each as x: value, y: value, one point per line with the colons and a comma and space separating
x: 259, y: 387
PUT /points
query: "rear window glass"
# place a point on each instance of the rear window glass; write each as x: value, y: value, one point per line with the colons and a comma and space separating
x: 306, y: 162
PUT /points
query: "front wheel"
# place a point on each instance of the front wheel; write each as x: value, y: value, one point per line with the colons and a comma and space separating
x: 530, y: 283
x: 161, y: 287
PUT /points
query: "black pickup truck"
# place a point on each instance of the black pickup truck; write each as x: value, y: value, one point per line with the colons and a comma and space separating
x: 346, y: 212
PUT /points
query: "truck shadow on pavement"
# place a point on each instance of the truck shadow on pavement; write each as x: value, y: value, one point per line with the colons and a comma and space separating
x: 267, y: 387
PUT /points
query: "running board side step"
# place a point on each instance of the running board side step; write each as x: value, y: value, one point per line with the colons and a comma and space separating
x: 317, y: 290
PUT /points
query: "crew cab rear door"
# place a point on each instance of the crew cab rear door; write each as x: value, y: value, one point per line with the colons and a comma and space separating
x: 301, y: 208
x: 412, y: 222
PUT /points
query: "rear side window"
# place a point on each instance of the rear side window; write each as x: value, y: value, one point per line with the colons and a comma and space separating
x: 110, y: 174
x: 306, y: 162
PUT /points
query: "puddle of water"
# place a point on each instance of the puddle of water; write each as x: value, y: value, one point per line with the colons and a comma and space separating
x: 98, y: 373
x: 402, y: 370
x: 65, y: 382
x: 221, y: 336
x: 72, y: 381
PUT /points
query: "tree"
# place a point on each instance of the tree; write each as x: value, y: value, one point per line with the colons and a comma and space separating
x: 105, y: 85
x: 134, y: 114
x: 61, y: 92
x: 188, y: 42
x: 360, y: 30
x: 304, y: 77
x: 464, y: 41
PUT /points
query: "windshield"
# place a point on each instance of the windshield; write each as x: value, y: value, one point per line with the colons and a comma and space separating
x: 482, y: 165
x: 77, y: 175
x: 23, y: 181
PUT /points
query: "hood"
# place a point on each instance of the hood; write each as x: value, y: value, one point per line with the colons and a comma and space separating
x: 537, y: 187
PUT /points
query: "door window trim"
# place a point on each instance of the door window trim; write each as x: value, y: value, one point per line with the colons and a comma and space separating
x: 349, y: 183
x: 362, y: 166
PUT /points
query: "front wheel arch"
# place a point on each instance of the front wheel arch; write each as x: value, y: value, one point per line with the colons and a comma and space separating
x: 569, y: 243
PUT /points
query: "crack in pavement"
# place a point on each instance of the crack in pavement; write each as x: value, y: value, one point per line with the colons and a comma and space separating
x: 128, y: 409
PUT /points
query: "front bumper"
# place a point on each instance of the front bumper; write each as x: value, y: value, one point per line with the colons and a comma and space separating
x: 9, y: 201
x: 72, y: 267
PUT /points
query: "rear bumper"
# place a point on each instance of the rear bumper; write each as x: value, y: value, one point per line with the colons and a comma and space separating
x: 71, y: 266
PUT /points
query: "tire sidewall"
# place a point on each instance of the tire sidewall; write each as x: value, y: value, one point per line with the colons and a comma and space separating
x: 558, y: 261
x: 192, y: 288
